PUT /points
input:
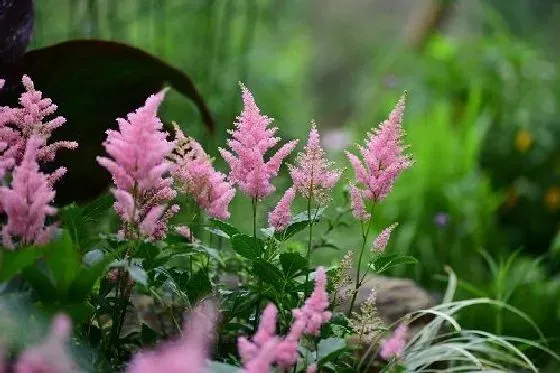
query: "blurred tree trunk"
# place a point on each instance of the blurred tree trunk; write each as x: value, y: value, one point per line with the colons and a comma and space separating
x: 426, y: 21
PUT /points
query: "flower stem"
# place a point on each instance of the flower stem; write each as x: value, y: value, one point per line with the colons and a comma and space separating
x: 309, y: 245
x: 365, y: 235
x: 257, y: 307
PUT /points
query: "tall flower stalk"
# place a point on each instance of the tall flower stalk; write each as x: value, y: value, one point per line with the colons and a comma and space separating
x: 383, y: 160
x: 251, y: 139
x: 313, y: 179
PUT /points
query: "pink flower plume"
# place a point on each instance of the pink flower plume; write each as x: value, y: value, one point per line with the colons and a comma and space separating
x: 185, y: 355
x: 357, y: 204
x: 383, y: 157
x: 382, y: 239
x: 196, y: 176
x: 281, y: 216
x: 51, y: 355
x: 21, y: 123
x: 312, y: 176
x: 314, y: 311
x: 27, y: 202
x: 249, y: 142
x: 394, y: 346
x: 140, y: 170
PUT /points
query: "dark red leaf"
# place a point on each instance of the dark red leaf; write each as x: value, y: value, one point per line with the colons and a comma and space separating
x: 93, y: 83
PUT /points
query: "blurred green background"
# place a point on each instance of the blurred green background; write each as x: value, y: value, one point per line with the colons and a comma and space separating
x: 483, y: 117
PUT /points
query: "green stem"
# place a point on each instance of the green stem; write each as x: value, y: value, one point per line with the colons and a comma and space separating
x: 257, y: 308
x: 309, y: 245
x: 365, y: 235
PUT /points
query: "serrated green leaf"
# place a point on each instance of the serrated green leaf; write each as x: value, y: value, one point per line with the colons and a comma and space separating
x: 93, y: 211
x: 382, y: 263
x: 78, y: 312
x: 199, y: 285
x: 73, y: 221
x: 63, y: 261
x: 227, y: 228
x: 217, y: 232
x: 88, y: 277
x: 329, y: 348
x: 41, y: 284
x: 292, y: 263
x: 247, y: 246
x: 268, y: 273
x: 299, y: 222
x: 13, y: 262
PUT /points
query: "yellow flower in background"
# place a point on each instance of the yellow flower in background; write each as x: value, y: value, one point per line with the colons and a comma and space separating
x: 511, y: 198
x: 523, y: 141
x: 552, y: 198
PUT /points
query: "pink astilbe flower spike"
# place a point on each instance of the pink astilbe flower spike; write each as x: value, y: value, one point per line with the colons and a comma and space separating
x: 27, y: 202
x: 281, y: 216
x: 196, y: 176
x: 383, y: 157
x: 51, y: 355
x: 140, y: 170
x: 314, y: 310
x: 19, y: 124
x: 185, y: 355
x: 357, y: 204
x: 263, y: 359
x: 394, y: 346
x: 250, y: 141
x: 287, y: 349
x: 311, y: 369
x: 382, y: 239
x: 312, y: 176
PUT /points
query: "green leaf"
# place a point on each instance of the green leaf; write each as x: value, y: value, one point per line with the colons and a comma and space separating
x: 219, y: 367
x: 292, y: 263
x: 329, y: 348
x: 112, y: 79
x: 246, y: 246
x: 41, y: 284
x: 93, y: 211
x: 73, y: 221
x: 87, y: 278
x: 382, y: 263
x: 13, y: 261
x: 78, y: 312
x: 63, y: 261
x: 299, y: 223
x: 227, y: 228
x: 268, y: 273
x: 138, y: 274
x: 199, y: 285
